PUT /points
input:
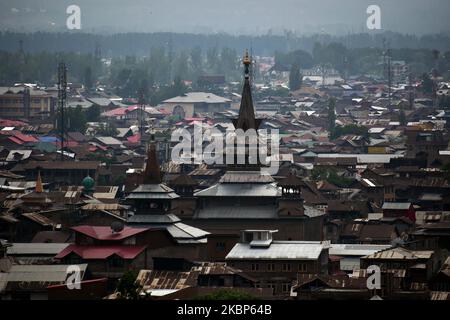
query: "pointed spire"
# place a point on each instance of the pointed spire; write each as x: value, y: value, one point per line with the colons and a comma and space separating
x: 39, y: 188
x: 246, y: 119
x: 152, y: 173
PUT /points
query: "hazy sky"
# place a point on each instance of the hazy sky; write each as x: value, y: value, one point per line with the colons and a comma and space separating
x: 231, y: 16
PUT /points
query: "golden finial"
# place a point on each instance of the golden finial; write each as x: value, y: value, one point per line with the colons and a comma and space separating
x: 247, y: 60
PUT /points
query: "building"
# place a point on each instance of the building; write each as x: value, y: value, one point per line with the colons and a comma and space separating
x: 25, y: 103
x: 275, y: 264
x: 193, y: 103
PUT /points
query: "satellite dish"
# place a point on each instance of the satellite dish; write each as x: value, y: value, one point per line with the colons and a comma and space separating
x: 117, y: 226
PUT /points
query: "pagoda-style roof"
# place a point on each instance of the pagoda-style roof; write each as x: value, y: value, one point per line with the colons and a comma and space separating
x: 291, y: 181
x: 153, y: 191
x: 183, y: 180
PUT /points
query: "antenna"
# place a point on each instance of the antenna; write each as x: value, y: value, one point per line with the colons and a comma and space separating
x: 62, y: 91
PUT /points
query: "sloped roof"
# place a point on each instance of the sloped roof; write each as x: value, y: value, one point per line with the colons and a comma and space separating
x: 101, y: 252
x: 106, y: 233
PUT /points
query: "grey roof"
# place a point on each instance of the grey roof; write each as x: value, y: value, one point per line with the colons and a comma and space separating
x: 100, y: 101
x: 312, y: 212
x: 363, y: 158
x: 154, y: 218
x: 36, y: 248
x: 237, y: 212
x: 197, y: 97
x: 109, y: 140
x: 246, y: 177
x: 278, y: 250
x: 153, y: 191
x: 355, y: 249
x: 396, y: 205
x: 39, y: 273
x: 240, y: 190
x: 19, y: 90
x: 182, y: 233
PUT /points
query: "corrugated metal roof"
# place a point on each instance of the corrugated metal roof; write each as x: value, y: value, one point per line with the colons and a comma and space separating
x: 237, y: 212
x: 396, y: 205
x: 278, y: 250
x: 240, y: 190
x: 36, y: 248
x: 197, y: 97
x: 356, y: 249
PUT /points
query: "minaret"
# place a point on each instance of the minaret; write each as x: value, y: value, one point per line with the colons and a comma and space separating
x: 152, y: 172
x: 246, y: 119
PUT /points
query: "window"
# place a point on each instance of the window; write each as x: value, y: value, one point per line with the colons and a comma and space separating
x: 286, y: 267
x: 255, y: 266
x: 302, y: 267
x: 116, y: 262
x: 220, y: 246
x: 286, y: 287
x: 271, y: 267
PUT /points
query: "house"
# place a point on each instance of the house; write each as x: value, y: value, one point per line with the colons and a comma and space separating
x: 193, y: 103
x: 201, y: 279
x: 399, y: 209
x: 408, y: 268
x: 110, y: 251
x: 30, y: 282
x: 275, y: 264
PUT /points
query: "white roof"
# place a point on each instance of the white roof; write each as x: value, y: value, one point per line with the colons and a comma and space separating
x: 363, y: 158
x: 196, y: 97
x: 278, y: 250
x: 376, y: 130
x: 355, y: 249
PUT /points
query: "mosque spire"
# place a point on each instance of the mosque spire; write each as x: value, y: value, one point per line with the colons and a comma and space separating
x: 246, y: 119
x: 152, y: 172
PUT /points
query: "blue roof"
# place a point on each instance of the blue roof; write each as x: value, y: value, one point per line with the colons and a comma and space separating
x: 48, y: 139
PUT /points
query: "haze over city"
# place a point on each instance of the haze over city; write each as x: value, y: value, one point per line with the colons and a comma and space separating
x: 229, y: 16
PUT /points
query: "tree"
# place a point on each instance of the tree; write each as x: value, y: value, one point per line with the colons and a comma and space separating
x: 331, y: 115
x: 427, y: 84
x: 446, y: 171
x: 127, y: 288
x: 107, y: 130
x: 75, y: 119
x: 88, y: 83
x: 93, y: 113
x: 295, y: 78
x: 402, y: 117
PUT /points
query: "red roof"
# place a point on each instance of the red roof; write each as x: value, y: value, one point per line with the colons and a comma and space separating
x: 105, y: 233
x: 12, y: 123
x: 24, y: 137
x: 101, y: 252
x: 119, y: 111
x: 16, y: 140
x: 134, y: 139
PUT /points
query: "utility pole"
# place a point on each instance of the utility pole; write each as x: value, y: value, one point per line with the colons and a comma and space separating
x: 389, y: 59
x: 62, y: 88
x: 141, y: 112
x: 411, y: 92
